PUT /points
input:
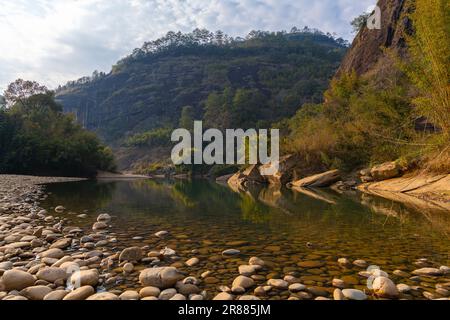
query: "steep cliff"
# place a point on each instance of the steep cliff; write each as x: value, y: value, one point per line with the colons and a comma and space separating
x: 367, y: 51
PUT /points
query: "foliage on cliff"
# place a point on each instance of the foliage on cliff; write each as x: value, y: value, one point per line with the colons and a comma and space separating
x: 398, y: 109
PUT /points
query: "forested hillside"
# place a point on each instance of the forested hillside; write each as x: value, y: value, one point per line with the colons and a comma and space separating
x: 227, y: 82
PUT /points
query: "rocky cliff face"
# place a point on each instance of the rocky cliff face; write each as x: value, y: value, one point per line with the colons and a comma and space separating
x: 367, y: 48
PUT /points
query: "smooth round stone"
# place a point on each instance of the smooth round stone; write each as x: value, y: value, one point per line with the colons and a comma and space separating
x: 338, y: 283
x: 211, y: 280
x: 164, y: 277
x: 99, y: 226
x: 246, y: 270
x: 360, y: 263
x: 162, y: 234
x: 296, y: 287
x: 56, y: 295
x: 343, y: 261
x: 54, y: 253
x: 36, y: 292
x: 206, y: 274
x: 291, y: 279
x: 7, y: 265
x: 85, y: 278
x: 128, y: 267
x: 230, y: 252
x: 244, y: 282
x: 238, y: 290
x: 131, y: 254
x: 178, y: 297
x: 167, y: 294
x: 17, y: 280
x: 338, y: 295
x: 192, y: 262
x: 129, y: 295
x: 196, y: 297
x: 255, y: 261
x: 149, y: 292
x: 104, y: 217
x: 354, y: 294
x: 384, y: 287
x: 80, y: 293
x: 278, y: 284
x: 224, y: 296
x: 61, y: 243
x: 259, y: 291
x: 322, y: 298
x: 428, y: 272
x: 103, y: 296
x: 51, y: 274
x: 188, y: 289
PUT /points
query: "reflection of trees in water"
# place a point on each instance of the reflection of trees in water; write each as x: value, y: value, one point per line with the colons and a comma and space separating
x: 90, y: 195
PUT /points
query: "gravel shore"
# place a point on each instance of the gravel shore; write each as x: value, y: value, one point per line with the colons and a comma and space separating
x: 44, y: 257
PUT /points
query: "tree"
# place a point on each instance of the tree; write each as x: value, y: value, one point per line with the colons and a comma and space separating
x: 429, y: 67
x: 360, y: 22
x: 20, y: 90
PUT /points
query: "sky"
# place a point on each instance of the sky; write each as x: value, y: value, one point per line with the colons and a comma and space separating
x: 53, y: 41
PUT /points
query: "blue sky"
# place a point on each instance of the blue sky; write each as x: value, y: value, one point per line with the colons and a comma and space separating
x: 53, y: 41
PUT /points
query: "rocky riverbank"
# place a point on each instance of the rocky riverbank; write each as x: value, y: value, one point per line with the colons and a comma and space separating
x: 46, y: 256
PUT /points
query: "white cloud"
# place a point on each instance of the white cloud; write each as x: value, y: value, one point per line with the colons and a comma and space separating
x: 53, y: 41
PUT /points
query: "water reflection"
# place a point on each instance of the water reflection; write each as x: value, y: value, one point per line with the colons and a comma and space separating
x: 348, y: 224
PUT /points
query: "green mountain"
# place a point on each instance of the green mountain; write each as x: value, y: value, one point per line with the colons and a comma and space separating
x: 226, y: 82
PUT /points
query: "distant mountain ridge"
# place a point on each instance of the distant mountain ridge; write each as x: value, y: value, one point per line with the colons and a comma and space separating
x: 277, y: 72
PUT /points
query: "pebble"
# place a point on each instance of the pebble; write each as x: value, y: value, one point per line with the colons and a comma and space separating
x: 384, y: 287
x: 428, y: 272
x: 255, y: 261
x: 149, y: 292
x: 167, y: 294
x: 80, y: 294
x: 354, y: 294
x: 192, y: 262
x: 224, y: 296
x: 162, y: 234
x: 56, y: 295
x: 338, y: 295
x: 129, y: 295
x: 296, y: 287
x: 103, y: 296
x: 230, y: 252
x: 244, y: 282
x: 17, y: 280
x: 128, y: 267
x: 278, y: 284
x: 246, y: 270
